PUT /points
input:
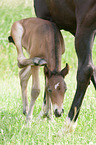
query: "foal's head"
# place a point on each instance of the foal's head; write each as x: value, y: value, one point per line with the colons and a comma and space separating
x: 56, y: 88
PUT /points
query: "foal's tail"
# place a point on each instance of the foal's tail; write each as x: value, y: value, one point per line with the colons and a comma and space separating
x: 10, y: 39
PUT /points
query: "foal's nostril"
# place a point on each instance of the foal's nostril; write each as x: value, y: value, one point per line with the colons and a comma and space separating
x: 57, y: 113
x: 62, y: 110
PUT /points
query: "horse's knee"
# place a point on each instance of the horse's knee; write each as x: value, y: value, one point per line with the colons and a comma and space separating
x: 35, y: 92
x: 84, y: 74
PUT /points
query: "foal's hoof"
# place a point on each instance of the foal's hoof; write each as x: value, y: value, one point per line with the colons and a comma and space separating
x: 39, y: 61
x: 24, y: 112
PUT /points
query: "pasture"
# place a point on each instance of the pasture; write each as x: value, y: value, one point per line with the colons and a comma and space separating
x: 13, y: 129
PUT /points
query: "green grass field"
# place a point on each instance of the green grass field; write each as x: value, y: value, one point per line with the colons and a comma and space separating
x: 13, y: 129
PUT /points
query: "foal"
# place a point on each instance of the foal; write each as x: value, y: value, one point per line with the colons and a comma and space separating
x: 44, y: 43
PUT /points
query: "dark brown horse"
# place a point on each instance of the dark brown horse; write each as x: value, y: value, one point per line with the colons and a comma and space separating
x: 79, y: 18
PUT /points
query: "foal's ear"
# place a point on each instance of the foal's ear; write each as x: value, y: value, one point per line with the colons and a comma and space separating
x: 47, y: 72
x: 65, y: 71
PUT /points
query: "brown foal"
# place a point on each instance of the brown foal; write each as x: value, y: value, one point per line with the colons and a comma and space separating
x: 44, y: 43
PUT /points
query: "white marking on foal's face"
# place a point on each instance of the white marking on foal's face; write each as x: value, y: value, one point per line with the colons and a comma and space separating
x: 56, y: 85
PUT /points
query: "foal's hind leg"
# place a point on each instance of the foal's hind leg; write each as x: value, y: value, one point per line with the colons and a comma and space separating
x: 34, y: 92
x: 24, y: 75
x: 17, y: 33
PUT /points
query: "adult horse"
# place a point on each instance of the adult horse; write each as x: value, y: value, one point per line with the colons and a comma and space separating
x: 79, y: 18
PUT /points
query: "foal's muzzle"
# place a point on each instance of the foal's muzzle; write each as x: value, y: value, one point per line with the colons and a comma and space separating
x: 58, y: 113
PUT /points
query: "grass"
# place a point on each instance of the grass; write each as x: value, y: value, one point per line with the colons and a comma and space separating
x: 13, y: 129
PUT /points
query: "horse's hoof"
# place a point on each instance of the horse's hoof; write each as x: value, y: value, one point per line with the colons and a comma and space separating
x: 39, y: 61
x: 69, y: 127
x: 42, y: 62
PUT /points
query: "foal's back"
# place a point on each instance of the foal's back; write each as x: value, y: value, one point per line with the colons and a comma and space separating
x: 39, y: 38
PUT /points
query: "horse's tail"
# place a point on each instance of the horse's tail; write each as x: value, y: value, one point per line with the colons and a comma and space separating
x: 10, y: 39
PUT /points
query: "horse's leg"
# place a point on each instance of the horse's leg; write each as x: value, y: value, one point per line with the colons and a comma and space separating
x: 83, y: 43
x: 93, y: 78
x: 24, y: 75
x: 47, y: 106
x: 43, y: 110
x: 34, y: 92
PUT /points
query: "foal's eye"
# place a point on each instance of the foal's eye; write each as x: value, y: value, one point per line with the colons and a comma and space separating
x: 49, y: 90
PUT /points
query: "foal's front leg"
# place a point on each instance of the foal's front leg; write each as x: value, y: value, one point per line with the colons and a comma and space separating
x: 24, y: 75
x: 46, y: 108
x: 47, y: 105
x: 34, y: 92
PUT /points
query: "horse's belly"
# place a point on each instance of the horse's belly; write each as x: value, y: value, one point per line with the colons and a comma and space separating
x: 63, y: 14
